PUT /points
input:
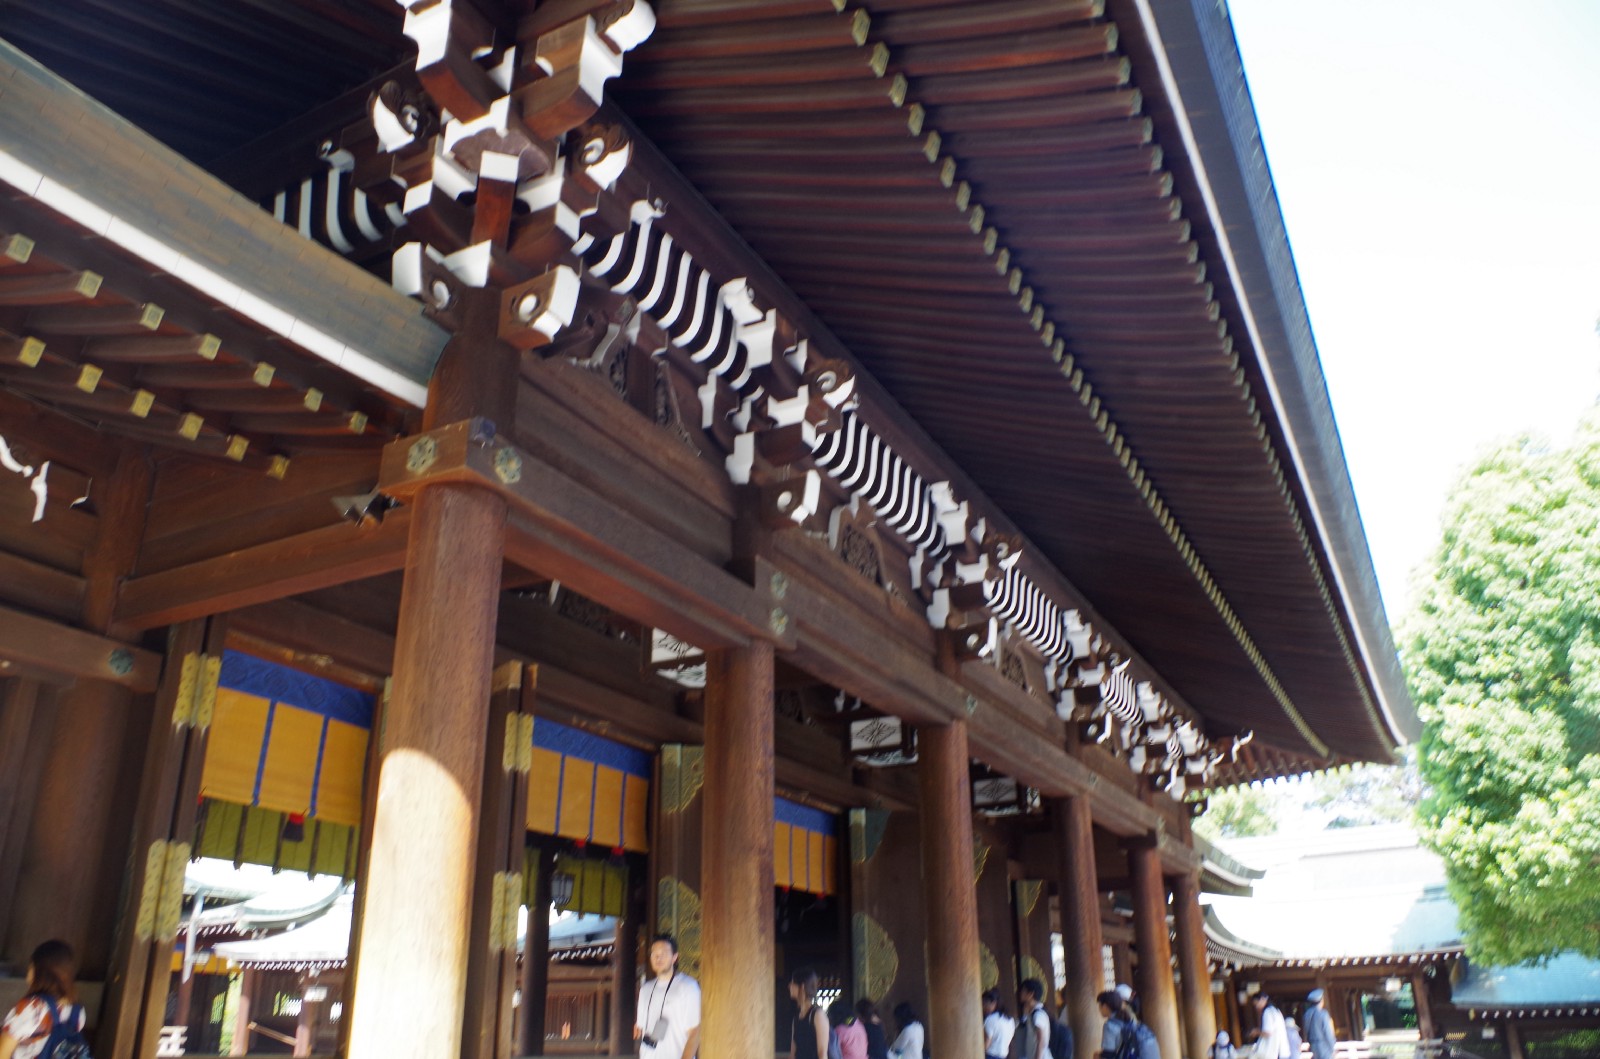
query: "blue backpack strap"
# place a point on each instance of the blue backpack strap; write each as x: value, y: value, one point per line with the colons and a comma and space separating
x: 55, y: 1012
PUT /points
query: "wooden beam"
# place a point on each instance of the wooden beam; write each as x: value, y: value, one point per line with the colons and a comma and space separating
x: 44, y: 589
x: 333, y: 555
x: 566, y: 531
x: 301, y: 627
x: 33, y: 641
x: 850, y: 634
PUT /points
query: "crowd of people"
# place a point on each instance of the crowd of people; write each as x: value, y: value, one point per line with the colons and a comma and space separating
x: 667, y: 1025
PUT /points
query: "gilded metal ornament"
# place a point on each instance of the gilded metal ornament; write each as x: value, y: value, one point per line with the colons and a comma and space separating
x: 423, y: 453
x: 876, y: 959
x: 508, y: 466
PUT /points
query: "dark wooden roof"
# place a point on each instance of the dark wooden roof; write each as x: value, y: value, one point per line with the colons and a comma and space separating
x: 1044, y: 233
x: 208, y: 76
x: 954, y: 185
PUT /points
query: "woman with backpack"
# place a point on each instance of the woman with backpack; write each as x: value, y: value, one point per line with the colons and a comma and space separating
x: 1124, y: 1037
x: 48, y: 1022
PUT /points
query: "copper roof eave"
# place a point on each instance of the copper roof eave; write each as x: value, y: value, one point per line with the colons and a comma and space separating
x: 809, y: 196
x: 68, y: 154
x: 1208, y: 105
x: 1221, y: 873
x: 1227, y: 947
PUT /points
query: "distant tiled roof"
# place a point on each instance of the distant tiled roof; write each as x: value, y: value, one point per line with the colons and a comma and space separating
x: 1351, y: 894
x: 1567, y: 986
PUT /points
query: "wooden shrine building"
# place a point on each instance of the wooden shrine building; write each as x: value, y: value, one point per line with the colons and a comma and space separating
x: 838, y: 479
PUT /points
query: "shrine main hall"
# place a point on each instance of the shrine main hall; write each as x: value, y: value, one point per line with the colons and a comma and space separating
x: 837, y: 481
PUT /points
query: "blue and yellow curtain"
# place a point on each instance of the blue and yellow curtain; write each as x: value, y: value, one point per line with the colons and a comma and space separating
x: 805, y: 848
x: 287, y: 741
x: 588, y: 788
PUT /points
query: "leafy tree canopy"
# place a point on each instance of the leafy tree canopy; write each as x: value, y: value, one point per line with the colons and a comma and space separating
x: 1364, y: 795
x: 1238, y: 812
x: 1503, y: 655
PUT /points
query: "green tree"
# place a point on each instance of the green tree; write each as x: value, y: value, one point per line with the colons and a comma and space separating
x: 1237, y: 812
x: 1362, y: 795
x: 1503, y: 655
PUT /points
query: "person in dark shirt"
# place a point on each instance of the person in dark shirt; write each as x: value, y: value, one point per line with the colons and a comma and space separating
x: 877, y: 1040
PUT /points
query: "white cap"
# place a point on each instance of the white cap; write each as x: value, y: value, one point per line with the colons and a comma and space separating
x: 1125, y: 991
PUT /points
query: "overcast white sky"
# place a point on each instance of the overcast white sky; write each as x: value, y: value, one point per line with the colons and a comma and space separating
x: 1438, y: 162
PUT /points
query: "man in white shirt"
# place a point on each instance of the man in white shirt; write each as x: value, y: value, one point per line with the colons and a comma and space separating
x: 1273, y: 1042
x: 998, y: 1027
x: 667, y: 1019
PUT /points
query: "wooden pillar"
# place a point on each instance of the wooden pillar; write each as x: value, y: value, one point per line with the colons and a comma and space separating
x: 1424, y: 1003
x: 305, y: 1027
x: 1122, y: 963
x: 1513, y: 1034
x: 1080, y: 919
x: 409, y: 996
x: 737, y: 880
x: 76, y: 845
x: 246, y: 1012
x: 1154, y: 973
x: 140, y: 969
x: 59, y: 890
x: 1231, y: 1003
x: 1199, y: 1016
x: 27, y: 712
x: 624, y: 982
x: 955, y: 975
x: 502, y: 859
x: 536, y: 958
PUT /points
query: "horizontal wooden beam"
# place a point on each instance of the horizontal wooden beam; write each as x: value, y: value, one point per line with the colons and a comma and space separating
x: 321, y: 558
x: 300, y: 627
x: 33, y: 643
x: 855, y: 636
x: 568, y: 532
x: 45, y: 589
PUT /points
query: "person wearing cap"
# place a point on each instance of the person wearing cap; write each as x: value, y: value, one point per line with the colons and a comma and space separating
x: 1223, y: 1048
x: 1318, y: 1026
x: 1129, y: 998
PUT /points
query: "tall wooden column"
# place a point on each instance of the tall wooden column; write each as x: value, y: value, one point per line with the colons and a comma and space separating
x: 1080, y: 919
x: 1154, y: 972
x: 60, y: 883
x: 955, y: 974
x: 1423, y: 999
x: 736, y: 866
x: 1199, y: 1015
x: 76, y: 846
x: 1513, y: 1034
x: 536, y: 958
x: 1122, y: 963
x: 409, y: 993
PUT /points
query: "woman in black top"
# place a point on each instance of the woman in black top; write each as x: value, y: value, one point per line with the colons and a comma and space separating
x: 877, y: 1040
x: 809, y: 1038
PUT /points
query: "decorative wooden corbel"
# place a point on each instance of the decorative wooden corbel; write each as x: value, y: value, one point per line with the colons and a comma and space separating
x: 577, y: 58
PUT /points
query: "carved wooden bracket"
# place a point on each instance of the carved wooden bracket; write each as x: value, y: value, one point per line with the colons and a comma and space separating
x: 486, y: 164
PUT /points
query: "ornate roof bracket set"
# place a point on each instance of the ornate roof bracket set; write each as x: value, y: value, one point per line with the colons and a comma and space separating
x: 494, y: 165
